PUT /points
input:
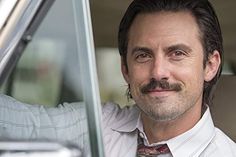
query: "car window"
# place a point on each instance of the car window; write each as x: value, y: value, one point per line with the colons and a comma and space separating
x: 48, y: 70
x: 57, y: 66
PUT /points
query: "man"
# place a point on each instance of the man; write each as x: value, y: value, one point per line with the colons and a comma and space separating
x: 171, y: 53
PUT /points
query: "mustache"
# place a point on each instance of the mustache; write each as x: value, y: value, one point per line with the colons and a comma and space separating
x: 163, y: 84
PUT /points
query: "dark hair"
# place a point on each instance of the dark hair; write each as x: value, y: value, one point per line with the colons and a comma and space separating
x: 202, y: 10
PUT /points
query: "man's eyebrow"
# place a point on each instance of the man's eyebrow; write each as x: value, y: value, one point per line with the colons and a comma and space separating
x: 178, y: 47
x: 143, y: 49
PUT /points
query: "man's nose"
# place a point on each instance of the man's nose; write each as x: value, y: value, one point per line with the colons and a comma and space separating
x: 160, y: 69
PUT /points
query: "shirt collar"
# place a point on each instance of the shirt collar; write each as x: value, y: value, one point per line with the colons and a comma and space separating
x: 190, y: 143
x: 195, y: 140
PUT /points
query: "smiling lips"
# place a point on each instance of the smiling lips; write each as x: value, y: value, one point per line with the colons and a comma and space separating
x: 160, y: 92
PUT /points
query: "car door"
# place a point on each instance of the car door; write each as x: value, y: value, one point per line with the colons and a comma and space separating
x: 47, y: 58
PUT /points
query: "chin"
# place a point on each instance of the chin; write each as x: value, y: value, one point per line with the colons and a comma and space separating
x: 163, y: 114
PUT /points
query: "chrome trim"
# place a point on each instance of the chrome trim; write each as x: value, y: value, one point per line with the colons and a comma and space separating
x: 6, y: 8
x: 15, y: 28
x: 89, y: 79
x: 18, y: 31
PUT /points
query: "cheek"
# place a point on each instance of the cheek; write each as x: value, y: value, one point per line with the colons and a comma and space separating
x: 191, y: 76
x: 139, y: 75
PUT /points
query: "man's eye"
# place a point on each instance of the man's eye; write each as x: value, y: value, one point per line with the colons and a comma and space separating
x: 144, y: 57
x: 177, y: 55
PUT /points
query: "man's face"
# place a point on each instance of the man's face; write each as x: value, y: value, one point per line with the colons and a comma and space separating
x: 165, y: 64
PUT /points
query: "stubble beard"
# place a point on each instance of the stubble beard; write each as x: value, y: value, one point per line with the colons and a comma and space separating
x: 164, y: 108
x: 161, y: 110
x: 168, y: 108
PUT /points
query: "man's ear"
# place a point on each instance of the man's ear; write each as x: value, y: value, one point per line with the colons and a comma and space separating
x: 212, y: 66
x: 124, y: 70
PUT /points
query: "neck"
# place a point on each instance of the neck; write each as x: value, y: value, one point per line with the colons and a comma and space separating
x: 157, y: 131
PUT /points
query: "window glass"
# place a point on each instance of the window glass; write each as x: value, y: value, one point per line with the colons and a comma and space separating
x: 48, y: 71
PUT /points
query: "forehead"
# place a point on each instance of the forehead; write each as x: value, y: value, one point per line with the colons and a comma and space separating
x: 165, y: 25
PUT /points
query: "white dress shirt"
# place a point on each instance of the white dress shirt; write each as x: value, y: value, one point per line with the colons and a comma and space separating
x: 68, y: 122
x: 203, y: 140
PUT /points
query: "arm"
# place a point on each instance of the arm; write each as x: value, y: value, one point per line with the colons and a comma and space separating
x: 67, y: 122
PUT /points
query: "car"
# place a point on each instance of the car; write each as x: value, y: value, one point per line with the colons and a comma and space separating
x: 47, y: 57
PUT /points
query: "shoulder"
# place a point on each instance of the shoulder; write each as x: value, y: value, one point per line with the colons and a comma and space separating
x: 114, y: 111
x: 221, y: 145
x: 114, y: 117
x: 110, y: 109
x: 223, y: 141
